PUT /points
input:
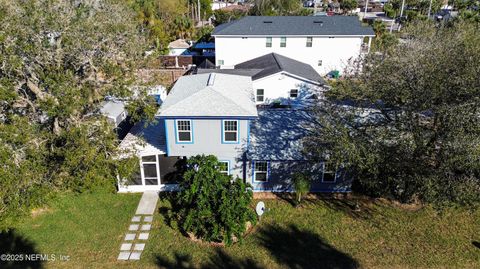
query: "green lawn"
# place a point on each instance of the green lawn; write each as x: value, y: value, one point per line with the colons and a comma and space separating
x: 320, y: 234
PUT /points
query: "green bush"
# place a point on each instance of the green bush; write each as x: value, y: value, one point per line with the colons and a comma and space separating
x: 301, y: 183
x: 211, y: 205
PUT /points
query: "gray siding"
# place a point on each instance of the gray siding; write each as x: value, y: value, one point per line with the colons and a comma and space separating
x: 207, y: 139
x: 280, y: 177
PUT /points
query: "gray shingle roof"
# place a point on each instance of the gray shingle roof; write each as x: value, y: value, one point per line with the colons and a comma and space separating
x: 273, y: 63
x: 144, y: 138
x: 228, y: 95
x: 270, y: 64
x: 294, y: 25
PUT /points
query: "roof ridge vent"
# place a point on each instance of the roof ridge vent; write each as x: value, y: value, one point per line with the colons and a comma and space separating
x: 211, y: 79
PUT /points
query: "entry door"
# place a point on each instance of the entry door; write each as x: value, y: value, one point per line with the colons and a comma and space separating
x: 150, y: 170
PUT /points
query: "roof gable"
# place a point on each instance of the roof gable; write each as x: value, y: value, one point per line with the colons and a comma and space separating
x: 228, y: 95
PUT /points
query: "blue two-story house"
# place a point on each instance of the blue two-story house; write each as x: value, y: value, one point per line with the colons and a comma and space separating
x: 216, y: 114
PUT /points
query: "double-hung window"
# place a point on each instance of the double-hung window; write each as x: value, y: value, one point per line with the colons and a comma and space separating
x: 293, y: 93
x: 283, y: 42
x: 230, y: 131
x: 309, y: 41
x: 260, y: 171
x: 184, y: 131
x: 260, y: 95
x: 329, y: 173
x: 268, y: 42
x: 224, y: 167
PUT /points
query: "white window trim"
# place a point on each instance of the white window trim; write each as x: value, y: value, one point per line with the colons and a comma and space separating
x: 255, y: 172
x: 267, y: 43
x: 307, y: 42
x: 224, y: 131
x: 228, y: 167
x: 178, y: 132
x: 323, y: 175
x: 290, y: 93
x: 256, y: 96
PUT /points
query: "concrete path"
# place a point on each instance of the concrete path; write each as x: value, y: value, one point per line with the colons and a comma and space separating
x: 148, y: 203
x: 139, y: 229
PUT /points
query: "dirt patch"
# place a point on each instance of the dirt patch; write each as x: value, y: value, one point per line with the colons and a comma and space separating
x: 40, y: 211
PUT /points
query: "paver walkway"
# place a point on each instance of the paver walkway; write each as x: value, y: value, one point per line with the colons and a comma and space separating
x: 139, y: 229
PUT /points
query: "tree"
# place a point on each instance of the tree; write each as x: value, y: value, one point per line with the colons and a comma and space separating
x: 348, y: 5
x: 301, y: 183
x: 58, y: 60
x: 411, y: 129
x: 278, y: 8
x: 213, y: 206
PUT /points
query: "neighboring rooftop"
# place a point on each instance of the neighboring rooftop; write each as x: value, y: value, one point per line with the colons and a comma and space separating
x: 294, y: 25
x: 207, y: 95
x: 179, y: 44
x: 112, y: 109
x: 270, y: 64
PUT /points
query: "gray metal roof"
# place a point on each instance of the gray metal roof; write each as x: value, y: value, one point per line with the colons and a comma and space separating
x: 294, y: 25
x: 226, y: 95
x: 270, y: 64
x: 277, y: 134
x: 112, y: 109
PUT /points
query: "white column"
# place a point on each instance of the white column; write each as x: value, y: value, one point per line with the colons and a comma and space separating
x: 369, y: 43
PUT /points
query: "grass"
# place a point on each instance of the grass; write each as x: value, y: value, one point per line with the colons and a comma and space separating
x: 320, y: 234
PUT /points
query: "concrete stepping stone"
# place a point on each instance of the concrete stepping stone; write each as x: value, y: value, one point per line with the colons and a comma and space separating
x: 123, y: 256
x: 135, y: 256
x: 133, y: 227
x: 126, y: 246
x: 136, y: 219
x: 129, y: 237
x: 146, y: 227
x: 138, y: 247
x: 148, y: 219
x: 143, y: 236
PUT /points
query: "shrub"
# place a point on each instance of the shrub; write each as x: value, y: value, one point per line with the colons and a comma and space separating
x: 213, y: 206
x: 301, y: 183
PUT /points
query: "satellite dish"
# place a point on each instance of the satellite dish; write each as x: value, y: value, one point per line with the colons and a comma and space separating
x: 260, y: 209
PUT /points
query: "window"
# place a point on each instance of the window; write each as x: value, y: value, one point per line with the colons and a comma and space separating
x: 260, y: 173
x: 230, y: 131
x: 309, y: 41
x: 329, y: 173
x: 283, y: 42
x: 293, y: 93
x: 184, y: 130
x: 320, y: 62
x: 260, y: 95
x: 268, y: 42
x: 224, y: 167
x: 220, y: 62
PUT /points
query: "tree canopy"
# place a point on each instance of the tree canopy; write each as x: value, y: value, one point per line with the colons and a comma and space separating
x: 211, y: 205
x: 58, y: 60
x: 406, y: 122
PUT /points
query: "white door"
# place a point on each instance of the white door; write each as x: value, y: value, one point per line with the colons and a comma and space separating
x: 150, y: 170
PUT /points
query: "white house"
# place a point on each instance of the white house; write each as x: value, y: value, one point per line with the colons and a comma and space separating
x: 325, y: 43
x: 178, y: 47
x: 276, y: 78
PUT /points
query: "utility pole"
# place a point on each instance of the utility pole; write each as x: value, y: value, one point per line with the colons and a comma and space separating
x: 198, y: 11
x: 365, y: 11
x: 429, y: 9
x: 401, y: 10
